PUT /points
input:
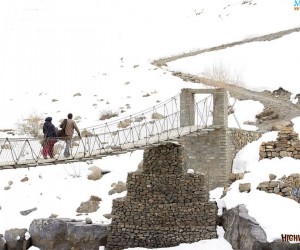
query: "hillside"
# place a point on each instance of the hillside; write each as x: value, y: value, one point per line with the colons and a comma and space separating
x: 125, y: 56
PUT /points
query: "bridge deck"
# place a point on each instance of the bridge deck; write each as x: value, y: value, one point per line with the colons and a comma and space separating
x: 86, y: 149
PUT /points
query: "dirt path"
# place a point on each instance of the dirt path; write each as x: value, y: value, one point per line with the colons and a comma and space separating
x: 278, y: 106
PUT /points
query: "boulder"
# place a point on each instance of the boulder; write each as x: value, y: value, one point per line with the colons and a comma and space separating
x: 89, y: 206
x: 66, y: 234
x: 28, y: 211
x: 118, y: 188
x: 124, y: 124
x: 2, y: 243
x: 245, y: 187
x: 96, y: 173
x: 17, y: 239
x: 157, y: 116
x: 241, y: 230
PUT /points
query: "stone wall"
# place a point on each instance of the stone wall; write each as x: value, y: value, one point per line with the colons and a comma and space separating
x: 288, y: 187
x: 211, y: 152
x: 164, y: 206
x: 287, y: 144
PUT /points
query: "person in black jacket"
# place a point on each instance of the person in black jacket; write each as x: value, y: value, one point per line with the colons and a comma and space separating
x: 49, y: 138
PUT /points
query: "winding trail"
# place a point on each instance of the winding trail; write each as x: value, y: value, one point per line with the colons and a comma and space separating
x: 277, y: 101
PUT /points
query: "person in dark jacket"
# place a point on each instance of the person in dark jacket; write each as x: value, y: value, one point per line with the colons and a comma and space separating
x: 50, y: 138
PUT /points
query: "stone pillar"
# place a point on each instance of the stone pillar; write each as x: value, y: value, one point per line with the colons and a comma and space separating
x: 220, y: 110
x: 165, y: 206
x: 187, y: 108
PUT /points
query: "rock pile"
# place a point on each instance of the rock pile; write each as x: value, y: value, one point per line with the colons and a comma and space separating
x: 286, y: 145
x: 164, y: 206
x: 285, y: 186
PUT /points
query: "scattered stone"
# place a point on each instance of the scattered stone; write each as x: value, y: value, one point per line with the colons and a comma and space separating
x: 245, y: 187
x: 89, y: 206
x: 26, y: 212
x: 272, y: 177
x: 157, y: 116
x: 281, y: 125
x: 146, y: 95
x: 235, y: 176
x: 52, y: 216
x: 54, y: 100
x: 96, y: 173
x: 267, y: 114
x: 24, y: 179
x: 77, y: 94
x: 118, y: 188
x: 5, y: 146
x: 139, y: 118
x: 125, y: 123
x: 88, y: 220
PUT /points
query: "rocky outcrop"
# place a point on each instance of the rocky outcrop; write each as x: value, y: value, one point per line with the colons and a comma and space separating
x: 17, y: 239
x: 244, y: 233
x: 66, y: 234
x: 241, y: 230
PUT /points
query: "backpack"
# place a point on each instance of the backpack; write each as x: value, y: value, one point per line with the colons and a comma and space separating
x: 61, y: 132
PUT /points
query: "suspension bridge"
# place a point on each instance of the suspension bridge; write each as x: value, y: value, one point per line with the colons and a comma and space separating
x: 192, y: 110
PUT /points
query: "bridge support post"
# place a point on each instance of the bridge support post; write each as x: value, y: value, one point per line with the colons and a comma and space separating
x: 187, y: 108
x: 220, y: 108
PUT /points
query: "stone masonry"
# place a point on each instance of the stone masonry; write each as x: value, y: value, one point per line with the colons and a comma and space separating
x: 286, y: 145
x: 212, y: 152
x: 288, y: 187
x: 164, y: 206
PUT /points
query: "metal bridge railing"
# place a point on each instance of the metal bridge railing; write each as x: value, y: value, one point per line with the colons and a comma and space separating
x: 154, y: 125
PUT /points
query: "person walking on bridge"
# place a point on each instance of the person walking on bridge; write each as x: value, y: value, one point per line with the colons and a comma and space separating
x: 69, y: 125
x: 49, y: 132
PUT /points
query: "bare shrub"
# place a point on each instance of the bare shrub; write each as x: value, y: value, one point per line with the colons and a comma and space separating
x: 107, y: 114
x: 32, y: 125
x: 221, y: 73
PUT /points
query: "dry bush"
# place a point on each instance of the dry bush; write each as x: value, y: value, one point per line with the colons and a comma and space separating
x: 32, y: 125
x: 107, y: 114
x: 221, y: 73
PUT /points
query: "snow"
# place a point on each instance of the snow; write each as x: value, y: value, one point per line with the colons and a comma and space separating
x: 53, y: 49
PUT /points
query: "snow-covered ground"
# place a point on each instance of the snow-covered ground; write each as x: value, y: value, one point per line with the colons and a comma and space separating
x: 54, y: 49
